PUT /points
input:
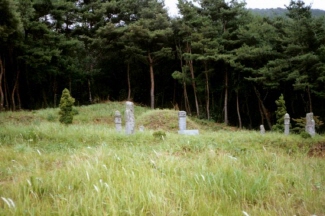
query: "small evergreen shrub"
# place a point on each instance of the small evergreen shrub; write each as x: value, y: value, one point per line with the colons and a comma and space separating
x: 305, y: 135
x: 66, y: 103
x: 300, y: 123
x: 280, y: 112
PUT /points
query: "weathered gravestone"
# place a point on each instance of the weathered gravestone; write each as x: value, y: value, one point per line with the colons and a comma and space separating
x: 129, y: 118
x: 310, y: 124
x: 262, y: 129
x: 182, y: 120
x: 118, y: 121
x: 182, y: 125
x: 286, y: 124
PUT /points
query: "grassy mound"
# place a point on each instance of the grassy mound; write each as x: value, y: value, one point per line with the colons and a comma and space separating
x: 166, y: 120
x: 103, y: 114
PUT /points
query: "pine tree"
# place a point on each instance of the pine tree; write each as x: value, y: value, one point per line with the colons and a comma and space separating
x: 303, y: 39
x: 66, y: 103
x: 148, y: 38
x: 280, y: 112
x: 226, y: 17
x: 10, y: 24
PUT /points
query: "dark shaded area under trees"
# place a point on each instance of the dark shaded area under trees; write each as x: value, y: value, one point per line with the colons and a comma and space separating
x: 219, y: 61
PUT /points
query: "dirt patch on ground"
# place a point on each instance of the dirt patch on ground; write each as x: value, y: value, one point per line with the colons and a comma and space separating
x: 317, y: 150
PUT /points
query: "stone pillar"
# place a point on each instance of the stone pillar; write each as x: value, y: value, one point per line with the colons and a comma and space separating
x: 118, y: 121
x: 129, y: 118
x: 182, y: 120
x: 310, y: 124
x: 286, y: 124
x: 262, y: 129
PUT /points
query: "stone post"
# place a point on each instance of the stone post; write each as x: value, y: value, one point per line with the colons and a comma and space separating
x: 118, y: 121
x: 262, y: 129
x: 182, y: 120
x: 129, y: 118
x: 286, y: 124
x: 310, y: 124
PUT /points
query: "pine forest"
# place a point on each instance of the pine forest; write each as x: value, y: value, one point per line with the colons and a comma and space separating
x: 217, y: 60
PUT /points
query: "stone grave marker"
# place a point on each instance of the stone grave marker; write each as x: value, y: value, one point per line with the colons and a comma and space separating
x: 182, y: 125
x: 310, y: 124
x: 262, y: 129
x: 182, y: 120
x: 286, y: 124
x: 129, y: 118
x: 118, y: 121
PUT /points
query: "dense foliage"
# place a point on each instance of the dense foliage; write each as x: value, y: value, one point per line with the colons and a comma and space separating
x: 280, y: 112
x: 218, y: 60
x: 66, y: 103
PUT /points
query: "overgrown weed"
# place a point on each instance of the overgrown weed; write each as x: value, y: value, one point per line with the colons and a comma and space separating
x: 90, y: 169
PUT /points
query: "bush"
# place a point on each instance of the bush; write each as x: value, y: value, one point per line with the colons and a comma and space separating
x: 159, y: 134
x: 280, y: 112
x: 305, y: 135
x: 75, y: 111
x: 51, y: 117
x: 300, y: 124
x: 66, y: 103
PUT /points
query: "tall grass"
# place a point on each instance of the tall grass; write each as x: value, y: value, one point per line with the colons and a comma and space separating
x: 89, y: 169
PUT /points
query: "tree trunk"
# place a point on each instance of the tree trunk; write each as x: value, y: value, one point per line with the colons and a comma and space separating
x: 89, y: 84
x: 2, y: 71
x: 55, y: 90
x: 248, y: 113
x: 152, y: 81
x: 6, y: 90
x: 190, y: 64
x: 226, y: 99
x: 18, y: 97
x: 207, y: 88
x: 261, y: 112
x: 265, y: 112
x: 174, y: 92
x: 309, y: 97
x: 128, y: 80
x: 89, y: 91
x: 14, y: 91
x: 186, y: 101
x: 45, y: 99
x: 238, y: 110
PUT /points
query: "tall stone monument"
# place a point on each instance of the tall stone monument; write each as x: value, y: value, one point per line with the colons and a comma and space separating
x: 262, y: 129
x: 286, y: 124
x: 118, y: 121
x: 310, y: 124
x: 129, y: 118
x: 182, y: 125
x: 182, y: 120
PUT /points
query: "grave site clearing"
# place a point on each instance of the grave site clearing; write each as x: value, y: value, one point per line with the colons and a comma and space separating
x: 88, y: 168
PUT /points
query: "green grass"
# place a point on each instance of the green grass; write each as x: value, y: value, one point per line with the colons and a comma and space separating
x: 88, y: 169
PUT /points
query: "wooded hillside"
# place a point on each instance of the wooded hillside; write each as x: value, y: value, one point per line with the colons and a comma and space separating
x: 218, y: 61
